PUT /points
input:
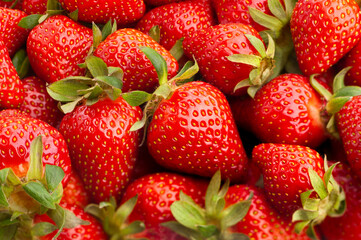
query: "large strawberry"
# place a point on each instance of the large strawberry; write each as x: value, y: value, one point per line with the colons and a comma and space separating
x: 56, y: 47
x: 296, y: 183
x: 231, y: 57
x: 285, y: 110
x: 12, y: 35
x: 124, y: 12
x: 175, y: 20
x: 323, y: 32
x: 120, y: 49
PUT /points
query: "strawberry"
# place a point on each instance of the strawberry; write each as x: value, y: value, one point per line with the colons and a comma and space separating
x: 175, y: 20
x: 160, y: 2
x: 92, y: 230
x: 17, y: 131
x: 156, y: 192
x: 347, y: 226
x: 12, y: 90
x: 37, y: 102
x: 120, y: 50
x: 297, y: 183
x: 323, y: 32
x: 34, y: 6
x: 262, y: 221
x: 74, y: 193
x: 13, y: 36
x: 352, y: 59
x: 56, y: 47
x: 285, y: 110
x: 122, y: 11
x: 231, y: 57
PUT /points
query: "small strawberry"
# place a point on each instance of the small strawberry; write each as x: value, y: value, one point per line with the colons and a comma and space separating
x: 175, y: 20
x: 74, y: 193
x: 297, y: 183
x: 34, y: 6
x: 37, y: 102
x: 56, y: 47
x: 323, y: 32
x: 231, y: 57
x: 285, y: 110
x: 120, y: 49
x: 124, y: 12
x: 11, y: 90
x: 13, y: 36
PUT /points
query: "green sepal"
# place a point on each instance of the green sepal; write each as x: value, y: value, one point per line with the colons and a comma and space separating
x: 335, y: 104
x: 163, y: 91
x: 30, y: 21
x: 187, y: 73
x: 207, y: 231
x: 69, y: 107
x: 319, y: 88
x: 236, y: 236
x: 133, y: 228
x: 8, y: 232
x: 112, y: 81
x: 177, y: 49
x: 257, y: 44
x: 97, y: 35
x: 8, y: 175
x: 123, y: 212
x: 317, y: 184
x: 139, y: 124
x: 158, y: 62
x: 42, y: 229
x: 253, y: 60
x: 136, y: 98
x: 187, y: 214
x: 108, y: 29
x: 54, y: 175
x: 278, y: 11
x: 96, y: 66
x: 3, y: 198
x: 38, y: 192
x: 154, y: 33
x: 74, y: 15
x: 35, y: 171
x: 339, y: 79
x: 182, y: 230
x: 21, y: 63
x: 67, y: 90
x: 211, y: 197
x: 269, y: 22
x: 301, y: 225
x: 304, y: 215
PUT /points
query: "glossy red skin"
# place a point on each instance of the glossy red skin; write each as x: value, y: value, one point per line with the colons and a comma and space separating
x: 349, y: 128
x: 13, y: 36
x: 175, y: 20
x: 193, y: 132
x: 6, y: 4
x: 11, y: 88
x: 82, y: 232
x: 102, y: 149
x: 38, y: 103
x: 353, y: 59
x: 212, y: 45
x: 123, y: 12
x: 348, y: 225
x: 285, y: 173
x: 156, y: 193
x: 56, y: 47
x: 285, y: 110
x: 17, y: 130
x: 120, y: 49
x: 262, y: 221
x: 323, y: 33
x: 74, y: 193
x: 34, y: 6
x: 233, y: 11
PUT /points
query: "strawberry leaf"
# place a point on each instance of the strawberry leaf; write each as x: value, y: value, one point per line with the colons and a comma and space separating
x: 97, y: 35
x: 21, y: 63
x: 136, y: 98
x: 74, y: 15
x: 133, y: 228
x: 35, y: 171
x: 110, y: 80
x: 304, y: 215
x: 38, y: 192
x: 177, y: 49
x: 336, y: 103
x: 30, y: 21
x: 212, y: 192
x: 154, y: 33
x: 158, y: 62
x: 126, y: 209
x: 339, y: 79
x: 8, y: 232
x: 3, y: 199
x: 43, y: 228
x: 208, y: 231
x: 317, y: 184
x: 277, y: 10
x: 107, y: 30
x: 187, y: 214
x: 182, y: 230
x: 96, y: 66
x: 54, y: 175
x: 269, y: 22
x: 252, y: 60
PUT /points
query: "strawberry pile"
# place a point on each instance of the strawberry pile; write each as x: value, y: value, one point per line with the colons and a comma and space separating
x: 171, y: 119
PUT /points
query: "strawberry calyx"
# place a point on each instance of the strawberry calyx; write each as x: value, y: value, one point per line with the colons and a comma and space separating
x: 100, y: 82
x: 263, y: 64
x: 39, y: 192
x: 211, y: 222
x: 21, y: 63
x: 114, y: 220
x: 330, y: 201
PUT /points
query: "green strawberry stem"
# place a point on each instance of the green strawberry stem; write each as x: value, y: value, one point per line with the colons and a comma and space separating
x: 213, y: 221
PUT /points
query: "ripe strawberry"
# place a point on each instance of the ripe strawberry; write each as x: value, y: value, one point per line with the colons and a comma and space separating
x: 56, y: 47
x: 13, y: 36
x: 91, y: 231
x: 34, y: 6
x: 213, y: 48
x: 262, y: 221
x: 175, y: 20
x: 120, y: 49
x: 160, y: 2
x: 122, y: 11
x: 11, y: 90
x: 352, y: 58
x: 156, y: 192
x: 37, y: 102
x: 17, y: 131
x: 285, y: 110
x: 74, y: 193
x: 323, y: 32
x: 348, y: 225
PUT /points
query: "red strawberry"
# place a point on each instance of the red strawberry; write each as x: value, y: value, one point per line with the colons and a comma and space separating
x: 323, y: 32
x: 262, y: 221
x: 37, y: 102
x: 74, y: 193
x: 34, y: 6
x: 352, y: 58
x: 120, y: 49
x: 91, y: 231
x: 13, y: 36
x: 124, y: 12
x: 175, y: 20
x: 56, y: 47
x: 17, y: 130
x: 160, y: 2
x: 212, y: 48
x: 348, y: 225
x: 11, y: 90
x: 285, y: 110
x: 156, y: 192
